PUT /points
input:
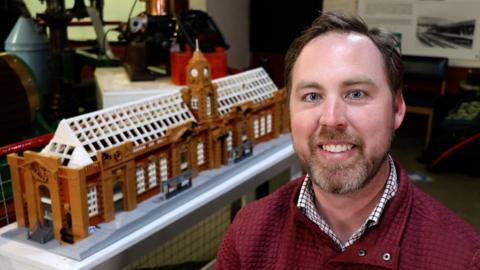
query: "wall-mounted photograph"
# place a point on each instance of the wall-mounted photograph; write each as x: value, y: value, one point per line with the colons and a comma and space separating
x: 429, y: 28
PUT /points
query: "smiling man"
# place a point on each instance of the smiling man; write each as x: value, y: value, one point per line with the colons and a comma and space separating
x: 356, y: 207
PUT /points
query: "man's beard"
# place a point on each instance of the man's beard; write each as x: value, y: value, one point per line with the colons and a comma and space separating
x: 346, y: 177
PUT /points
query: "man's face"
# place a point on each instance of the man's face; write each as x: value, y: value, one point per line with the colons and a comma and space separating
x: 342, y: 111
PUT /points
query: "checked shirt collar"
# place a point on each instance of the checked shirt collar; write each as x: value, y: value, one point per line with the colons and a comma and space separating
x: 306, y: 203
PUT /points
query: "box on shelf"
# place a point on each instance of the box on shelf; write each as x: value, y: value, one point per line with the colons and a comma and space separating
x: 179, y: 61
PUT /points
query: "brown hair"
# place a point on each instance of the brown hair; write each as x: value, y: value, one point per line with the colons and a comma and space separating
x: 341, y: 22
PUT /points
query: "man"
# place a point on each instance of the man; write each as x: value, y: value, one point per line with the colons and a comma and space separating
x: 356, y: 207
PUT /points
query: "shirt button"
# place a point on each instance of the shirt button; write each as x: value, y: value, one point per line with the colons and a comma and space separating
x: 386, y: 256
x: 361, y: 252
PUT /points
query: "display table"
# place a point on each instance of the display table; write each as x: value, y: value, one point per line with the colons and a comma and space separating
x: 114, y: 87
x: 211, y: 191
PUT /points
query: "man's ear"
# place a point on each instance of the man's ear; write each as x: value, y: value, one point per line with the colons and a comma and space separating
x: 399, y: 107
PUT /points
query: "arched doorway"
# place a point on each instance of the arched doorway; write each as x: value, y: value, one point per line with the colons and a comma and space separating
x: 44, y: 232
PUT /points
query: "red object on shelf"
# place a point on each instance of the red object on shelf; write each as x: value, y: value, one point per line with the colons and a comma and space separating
x: 179, y: 61
x: 35, y: 142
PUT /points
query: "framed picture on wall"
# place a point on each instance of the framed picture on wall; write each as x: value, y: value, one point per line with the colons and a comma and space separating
x: 430, y: 28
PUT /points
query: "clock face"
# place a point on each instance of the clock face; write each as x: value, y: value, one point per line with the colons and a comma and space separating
x: 194, y: 72
x: 205, y: 72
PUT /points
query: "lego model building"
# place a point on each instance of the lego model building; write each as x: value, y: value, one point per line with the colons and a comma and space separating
x: 110, y: 160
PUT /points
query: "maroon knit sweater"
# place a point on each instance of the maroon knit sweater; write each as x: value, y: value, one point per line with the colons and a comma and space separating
x: 415, y: 230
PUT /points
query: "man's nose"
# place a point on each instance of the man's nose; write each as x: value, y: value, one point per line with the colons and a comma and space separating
x: 333, y: 114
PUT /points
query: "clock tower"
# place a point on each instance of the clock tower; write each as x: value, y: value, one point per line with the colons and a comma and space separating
x: 200, y: 94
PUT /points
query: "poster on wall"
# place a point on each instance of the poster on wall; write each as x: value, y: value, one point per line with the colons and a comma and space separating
x: 447, y: 28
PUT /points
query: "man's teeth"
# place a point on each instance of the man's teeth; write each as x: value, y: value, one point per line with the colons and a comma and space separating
x: 335, y: 148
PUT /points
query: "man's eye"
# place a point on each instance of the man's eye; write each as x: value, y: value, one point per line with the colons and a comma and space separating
x: 356, y: 94
x: 312, y: 97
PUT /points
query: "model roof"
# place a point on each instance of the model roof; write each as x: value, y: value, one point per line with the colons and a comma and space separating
x: 77, y: 139
x: 254, y: 85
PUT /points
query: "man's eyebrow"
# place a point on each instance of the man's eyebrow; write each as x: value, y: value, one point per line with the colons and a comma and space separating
x: 348, y: 82
x: 358, y: 80
x: 308, y: 84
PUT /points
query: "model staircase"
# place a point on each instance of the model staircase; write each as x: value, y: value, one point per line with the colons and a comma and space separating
x: 42, y: 234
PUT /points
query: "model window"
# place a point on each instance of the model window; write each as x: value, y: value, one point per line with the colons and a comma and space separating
x: 262, y: 125
x: 117, y: 191
x: 209, y: 105
x: 53, y: 147
x: 152, y: 174
x: 92, y: 201
x: 229, y: 142
x: 200, y: 154
x: 46, y: 203
x: 194, y: 103
x: 269, y: 122
x: 47, y: 208
x: 118, y: 196
x: 244, y: 133
x: 255, y: 128
x: 163, y: 169
x: 140, y: 180
x: 184, y: 160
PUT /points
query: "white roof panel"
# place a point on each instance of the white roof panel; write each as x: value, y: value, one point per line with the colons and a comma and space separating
x: 254, y: 85
x: 139, y: 121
